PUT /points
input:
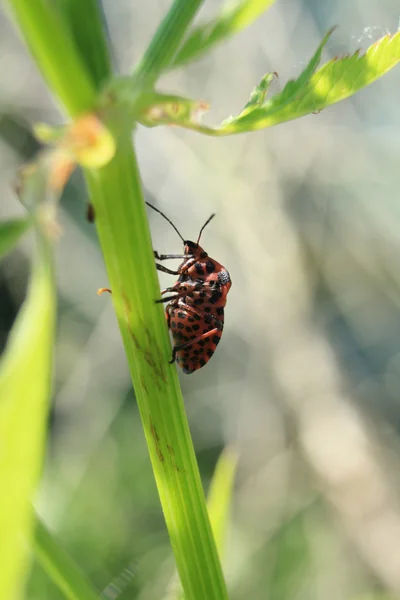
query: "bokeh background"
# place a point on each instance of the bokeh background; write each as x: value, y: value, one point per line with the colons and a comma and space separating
x: 306, y: 381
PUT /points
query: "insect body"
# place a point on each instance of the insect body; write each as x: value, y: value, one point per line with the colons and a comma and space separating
x: 195, y: 309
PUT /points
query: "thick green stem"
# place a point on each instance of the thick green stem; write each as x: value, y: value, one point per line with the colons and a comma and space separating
x: 86, y: 23
x: 56, y: 54
x: 122, y: 225
x: 166, y: 41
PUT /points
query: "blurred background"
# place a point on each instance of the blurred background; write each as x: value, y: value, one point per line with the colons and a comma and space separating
x: 305, y: 384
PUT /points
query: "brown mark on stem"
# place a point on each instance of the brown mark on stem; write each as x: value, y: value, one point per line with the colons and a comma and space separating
x: 147, y: 354
x: 156, y: 439
x: 90, y: 214
x: 143, y: 383
x: 171, y: 450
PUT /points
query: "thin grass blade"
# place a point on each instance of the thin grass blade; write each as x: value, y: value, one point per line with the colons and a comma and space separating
x: 231, y: 20
x: 65, y: 573
x: 25, y: 380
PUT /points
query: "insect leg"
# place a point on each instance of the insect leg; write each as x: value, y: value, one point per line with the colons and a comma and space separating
x: 168, y: 298
x: 179, y: 294
x: 181, y: 290
x: 203, y: 336
x: 165, y: 270
x: 168, y: 256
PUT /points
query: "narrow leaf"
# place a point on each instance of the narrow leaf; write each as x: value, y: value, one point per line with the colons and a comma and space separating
x: 25, y: 372
x: 220, y: 497
x: 25, y: 377
x: 10, y: 232
x: 311, y: 92
x: 60, y: 566
x: 232, y: 20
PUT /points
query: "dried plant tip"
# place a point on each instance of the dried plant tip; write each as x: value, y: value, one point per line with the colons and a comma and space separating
x: 101, y: 291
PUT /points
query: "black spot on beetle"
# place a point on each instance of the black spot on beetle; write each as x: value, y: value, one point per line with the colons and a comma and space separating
x: 181, y: 325
x: 215, y: 297
x: 202, y: 294
x: 196, y: 327
x: 198, y: 318
x: 190, y: 319
x: 207, y: 309
x: 203, y: 255
x: 181, y: 315
x: 199, y: 268
x: 215, y: 339
x: 210, y: 267
x: 188, y: 329
x: 201, y: 343
x: 173, y: 325
x: 210, y: 353
x: 220, y: 311
x: 202, y: 362
x: 199, y: 301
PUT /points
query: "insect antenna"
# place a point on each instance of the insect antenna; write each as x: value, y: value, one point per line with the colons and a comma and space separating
x: 166, y: 218
x: 205, y: 225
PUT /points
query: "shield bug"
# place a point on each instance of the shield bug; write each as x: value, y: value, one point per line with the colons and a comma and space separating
x: 195, y: 303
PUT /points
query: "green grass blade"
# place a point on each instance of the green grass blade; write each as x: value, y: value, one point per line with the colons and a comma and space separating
x: 55, y: 52
x: 125, y: 239
x: 165, y: 42
x: 86, y: 24
x: 60, y: 566
x: 231, y: 20
x: 311, y: 92
x: 25, y: 375
x: 10, y: 232
x: 220, y: 497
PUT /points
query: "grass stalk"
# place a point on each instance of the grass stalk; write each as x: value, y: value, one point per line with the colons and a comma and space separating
x: 124, y: 235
